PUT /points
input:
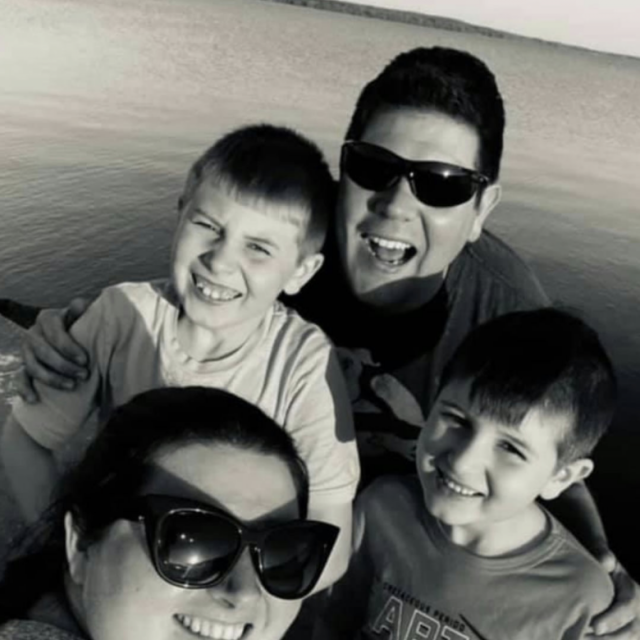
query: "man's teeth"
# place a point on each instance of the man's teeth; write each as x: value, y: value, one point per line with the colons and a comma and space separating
x: 392, y: 252
x: 457, y: 488
x: 214, y: 292
x: 210, y: 629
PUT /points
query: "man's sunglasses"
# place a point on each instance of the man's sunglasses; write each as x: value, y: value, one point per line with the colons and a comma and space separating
x: 195, y: 546
x: 436, y: 184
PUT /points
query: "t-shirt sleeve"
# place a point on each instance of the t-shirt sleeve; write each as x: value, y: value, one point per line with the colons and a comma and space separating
x: 59, y: 414
x: 596, y: 595
x: 320, y: 420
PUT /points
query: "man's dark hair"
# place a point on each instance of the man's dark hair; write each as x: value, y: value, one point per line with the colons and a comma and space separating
x: 271, y: 167
x: 446, y: 81
x: 547, y: 359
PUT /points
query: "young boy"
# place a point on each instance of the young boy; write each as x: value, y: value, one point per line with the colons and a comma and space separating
x: 464, y: 550
x: 253, y: 218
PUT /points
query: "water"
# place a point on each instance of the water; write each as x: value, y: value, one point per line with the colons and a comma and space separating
x: 104, y: 105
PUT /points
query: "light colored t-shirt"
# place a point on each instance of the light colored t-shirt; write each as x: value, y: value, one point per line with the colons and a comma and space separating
x: 407, y: 580
x: 289, y: 371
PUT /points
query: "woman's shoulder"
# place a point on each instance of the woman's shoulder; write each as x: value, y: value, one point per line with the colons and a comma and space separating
x: 32, y: 630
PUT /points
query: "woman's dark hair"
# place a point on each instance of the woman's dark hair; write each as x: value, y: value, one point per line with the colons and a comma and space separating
x: 117, y: 465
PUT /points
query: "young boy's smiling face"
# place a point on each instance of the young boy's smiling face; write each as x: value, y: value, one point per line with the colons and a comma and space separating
x: 232, y: 259
x: 477, y: 472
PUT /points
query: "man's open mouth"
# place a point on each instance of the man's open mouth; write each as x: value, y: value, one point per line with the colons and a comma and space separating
x: 394, y: 253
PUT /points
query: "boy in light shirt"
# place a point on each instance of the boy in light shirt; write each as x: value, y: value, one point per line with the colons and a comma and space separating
x: 253, y: 218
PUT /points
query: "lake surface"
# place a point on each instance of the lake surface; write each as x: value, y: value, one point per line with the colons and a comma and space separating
x: 104, y: 105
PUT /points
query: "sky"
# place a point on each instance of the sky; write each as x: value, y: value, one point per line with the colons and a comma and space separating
x: 604, y: 25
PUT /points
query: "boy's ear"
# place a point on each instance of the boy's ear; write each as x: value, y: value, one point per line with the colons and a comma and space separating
x: 565, y: 476
x: 305, y: 270
x: 75, y: 550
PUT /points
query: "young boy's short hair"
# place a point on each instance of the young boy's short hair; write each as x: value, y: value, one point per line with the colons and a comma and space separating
x: 274, y: 164
x: 548, y: 359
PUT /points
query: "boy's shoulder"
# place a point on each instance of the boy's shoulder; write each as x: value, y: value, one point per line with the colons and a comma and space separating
x: 390, y: 500
x: 130, y: 301
x: 290, y: 330
x: 139, y: 292
x: 581, y: 574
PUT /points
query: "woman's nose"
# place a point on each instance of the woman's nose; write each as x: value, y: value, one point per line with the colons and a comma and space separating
x: 241, y: 586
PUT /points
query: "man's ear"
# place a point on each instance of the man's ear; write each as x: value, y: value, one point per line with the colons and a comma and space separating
x: 565, y: 476
x: 490, y: 197
x: 75, y: 550
x: 305, y: 270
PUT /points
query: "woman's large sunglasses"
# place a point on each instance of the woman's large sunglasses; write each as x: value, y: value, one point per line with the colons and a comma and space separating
x: 436, y: 184
x: 195, y: 546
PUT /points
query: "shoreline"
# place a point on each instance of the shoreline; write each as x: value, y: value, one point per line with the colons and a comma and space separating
x: 437, y: 22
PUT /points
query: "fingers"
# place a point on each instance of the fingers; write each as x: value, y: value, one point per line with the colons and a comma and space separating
x: 608, y: 561
x: 630, y: 631
x: 44, y: 364
x: 620, y: 621
x: 75, y: 309
x: 23, y: 385
x: 54, y: 346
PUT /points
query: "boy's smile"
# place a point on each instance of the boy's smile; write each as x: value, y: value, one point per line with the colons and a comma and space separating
x: 232, y: 258
x: 481, y: 477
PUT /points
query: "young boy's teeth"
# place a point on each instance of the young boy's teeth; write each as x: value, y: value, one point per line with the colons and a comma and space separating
x: 394, y: 252
x: 456, y: 488
x: 210, y: 629
x: 216, y: 292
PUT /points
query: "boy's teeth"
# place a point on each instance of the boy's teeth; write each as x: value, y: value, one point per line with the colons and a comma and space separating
x: 456, y: 488
x: 210, y: 629
x: 216, y: 292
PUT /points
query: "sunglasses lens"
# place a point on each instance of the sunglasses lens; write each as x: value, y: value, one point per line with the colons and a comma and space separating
x: 292, y: 560
x: 370, y: 167
x: 443, y: 189
x: 195, y: 549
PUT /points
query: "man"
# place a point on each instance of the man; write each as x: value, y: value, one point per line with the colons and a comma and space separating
x: 410, y: 270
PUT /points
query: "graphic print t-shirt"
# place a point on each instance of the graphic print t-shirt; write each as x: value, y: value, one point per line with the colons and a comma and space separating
x: 422, y: 586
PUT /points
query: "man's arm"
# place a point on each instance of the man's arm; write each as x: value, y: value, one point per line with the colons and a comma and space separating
x: 30, y: 469
x: 50, y: 353
x: 577, y: 510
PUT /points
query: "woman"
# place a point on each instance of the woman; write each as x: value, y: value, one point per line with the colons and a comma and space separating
x: 184, y: 519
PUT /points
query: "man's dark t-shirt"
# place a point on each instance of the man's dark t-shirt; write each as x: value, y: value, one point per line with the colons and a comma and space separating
x: 393, y: 363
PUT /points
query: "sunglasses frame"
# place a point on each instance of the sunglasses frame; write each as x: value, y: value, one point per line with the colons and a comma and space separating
x: 152, y: 510
x: 410, y: 168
